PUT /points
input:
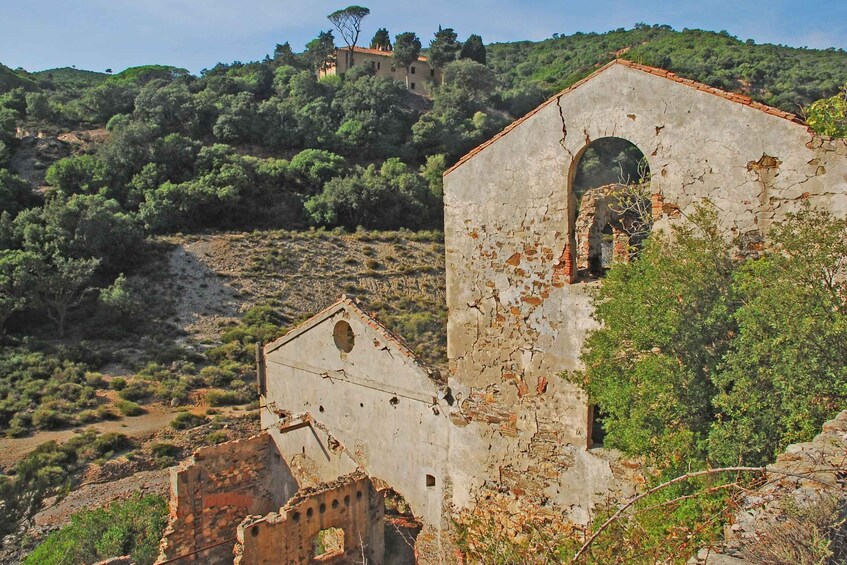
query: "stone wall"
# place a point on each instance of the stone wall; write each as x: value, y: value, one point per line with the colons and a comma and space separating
x: 288, y: 537
x: 215, y: 489
x: 516, y: 321
x: 781, y: 517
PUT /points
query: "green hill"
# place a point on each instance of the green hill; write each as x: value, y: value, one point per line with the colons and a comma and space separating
x: 9, y: 79
x: 70, y: 77
x: 146, y: 73
x: 786, y: 77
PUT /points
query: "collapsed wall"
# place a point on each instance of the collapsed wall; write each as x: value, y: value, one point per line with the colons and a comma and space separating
x: 349, y: 511
x: 214, y: 490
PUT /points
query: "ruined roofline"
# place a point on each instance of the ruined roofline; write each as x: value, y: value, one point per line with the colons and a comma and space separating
x: 351, y: 305
x: 732, y: 97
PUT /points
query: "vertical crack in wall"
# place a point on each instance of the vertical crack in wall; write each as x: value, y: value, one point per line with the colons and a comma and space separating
x: 564, y: 128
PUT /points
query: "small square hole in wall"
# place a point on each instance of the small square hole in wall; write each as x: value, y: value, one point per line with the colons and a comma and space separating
x: 430, y: 481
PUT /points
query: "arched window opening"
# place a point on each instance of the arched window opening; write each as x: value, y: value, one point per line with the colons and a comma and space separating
x: 328, y: 544
x: 611, y: 207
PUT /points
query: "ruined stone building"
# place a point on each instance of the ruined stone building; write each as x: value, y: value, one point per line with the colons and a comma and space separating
x: 351, y: 414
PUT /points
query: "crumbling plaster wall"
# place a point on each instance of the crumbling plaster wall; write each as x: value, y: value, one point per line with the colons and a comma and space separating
x: 515, y: 321
x: 350, y: 503
x: 377, y: 402
x: 215, y: 489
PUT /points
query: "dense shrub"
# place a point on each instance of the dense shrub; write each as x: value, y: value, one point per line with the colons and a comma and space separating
x: 729, y: 366
x: 227, y: 397
x: 132, y: 527
x: 186, y: 420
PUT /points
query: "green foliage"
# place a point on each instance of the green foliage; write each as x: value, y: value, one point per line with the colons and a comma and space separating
x: 783, y: 77
x: 147, y: 73
x: 828, y: 116
x: 84, y: 174
x: 129, y: 408
x: 50, y: 467
x: 68, y: 78
x: 608, y: 160
x: 38, y: 106
x: 348, y: 22
x: 261, y: 324
x: 18, y: 273
x: 320, y: 52
x: 663, y: 335
x: 381, y: 40
x: 407, y: 49
x: 373, y: 198
x: 786, y: 372
x: 10, y: 80
x: 132, y: 527
x: 729, y: 366
x: 228, y: 397
x: 31, y: 381
x: 81, y: 227
x: 15, y: 194
x: 444, y: 48
x: 474, y: 49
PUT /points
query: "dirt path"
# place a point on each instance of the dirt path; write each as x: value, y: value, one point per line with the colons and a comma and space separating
x: 157, y: 417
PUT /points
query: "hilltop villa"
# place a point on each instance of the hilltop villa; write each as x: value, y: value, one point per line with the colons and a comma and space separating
x: 383, y: 64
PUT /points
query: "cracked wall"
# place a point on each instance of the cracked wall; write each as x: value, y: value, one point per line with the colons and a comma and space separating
x: 516, y: 321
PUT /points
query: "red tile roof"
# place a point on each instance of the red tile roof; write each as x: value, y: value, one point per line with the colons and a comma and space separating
x: 378, y: 52
x: 739, y: 98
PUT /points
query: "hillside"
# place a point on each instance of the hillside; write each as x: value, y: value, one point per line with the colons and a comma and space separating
x: 10, y: 80
x: 789, y: 78
x: 67, y: 77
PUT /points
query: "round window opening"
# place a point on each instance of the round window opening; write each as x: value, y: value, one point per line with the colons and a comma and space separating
x: 343, y: 335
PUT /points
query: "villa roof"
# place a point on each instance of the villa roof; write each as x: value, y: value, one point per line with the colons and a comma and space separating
x: 378, y: 52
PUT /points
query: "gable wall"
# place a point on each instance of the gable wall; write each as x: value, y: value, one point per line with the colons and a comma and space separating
x: 376, y: 401
x: 515, y: 322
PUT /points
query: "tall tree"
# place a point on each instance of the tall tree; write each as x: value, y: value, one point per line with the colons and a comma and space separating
x: 284, y: 55
x: 407, y: 49
x: 17, y: 273
x: 320, y: 52
x: 381, y: 40
x: 348, y: 22
x: 63, y: 285
x: 473, y: 49
x: 444, y: 48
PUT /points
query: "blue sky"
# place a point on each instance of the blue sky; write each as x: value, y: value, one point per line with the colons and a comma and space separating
x: 195, y: 34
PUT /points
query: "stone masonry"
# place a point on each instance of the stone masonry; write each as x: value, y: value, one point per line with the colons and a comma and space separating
x: 287, y: 537
x: 518, y: 312
x: 213, y: 491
